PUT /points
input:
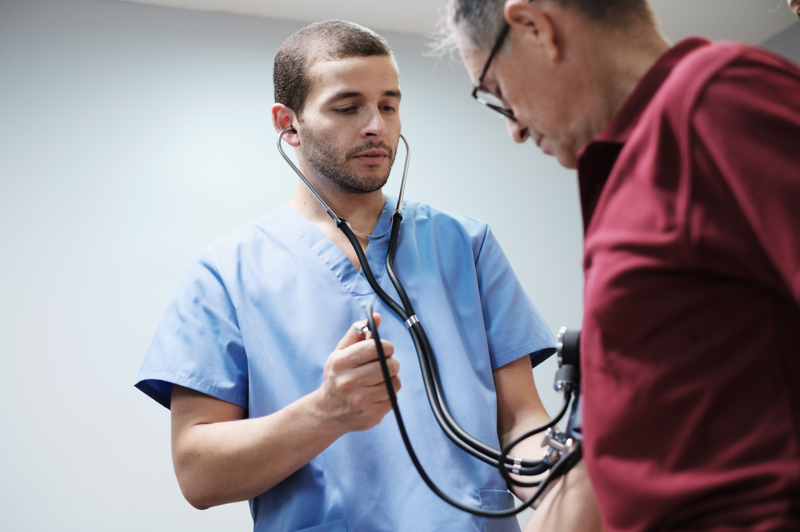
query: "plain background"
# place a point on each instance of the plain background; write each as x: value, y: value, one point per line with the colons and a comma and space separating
x: 130, y: 137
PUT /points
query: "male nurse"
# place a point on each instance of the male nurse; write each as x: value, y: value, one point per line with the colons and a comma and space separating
x: 275, y: 396
x: 689, y: 171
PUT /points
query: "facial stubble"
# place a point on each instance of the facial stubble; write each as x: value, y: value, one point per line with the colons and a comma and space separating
x: 328, y: 164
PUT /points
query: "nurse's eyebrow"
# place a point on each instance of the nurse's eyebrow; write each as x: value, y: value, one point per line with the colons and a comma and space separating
x: 355, y: 94
x: 343, y: 95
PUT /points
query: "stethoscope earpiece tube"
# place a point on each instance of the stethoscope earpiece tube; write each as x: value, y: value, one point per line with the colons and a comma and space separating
x: 303, y: 178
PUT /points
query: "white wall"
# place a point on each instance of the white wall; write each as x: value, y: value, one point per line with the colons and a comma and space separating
x: 131, y: 136
x: 786, y: 43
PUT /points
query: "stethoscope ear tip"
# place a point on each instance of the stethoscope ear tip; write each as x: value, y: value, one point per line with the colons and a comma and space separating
x: 287, y: 129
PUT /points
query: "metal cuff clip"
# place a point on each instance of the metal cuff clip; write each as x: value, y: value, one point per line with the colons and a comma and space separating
x: 517, y: 465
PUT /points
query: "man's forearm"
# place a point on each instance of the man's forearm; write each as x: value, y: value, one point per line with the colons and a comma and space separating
x: 236, y: 460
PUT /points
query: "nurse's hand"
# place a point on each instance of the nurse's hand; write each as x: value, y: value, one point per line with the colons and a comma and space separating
x: 353, y: 394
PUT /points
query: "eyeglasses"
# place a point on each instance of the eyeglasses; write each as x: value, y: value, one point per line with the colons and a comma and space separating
x: 482, y: 95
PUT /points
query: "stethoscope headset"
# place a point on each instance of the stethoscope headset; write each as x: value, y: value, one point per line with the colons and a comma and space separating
x: 563, y: 448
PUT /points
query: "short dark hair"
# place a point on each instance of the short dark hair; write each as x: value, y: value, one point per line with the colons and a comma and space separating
x: 482, y: 20
x: 321, y: 41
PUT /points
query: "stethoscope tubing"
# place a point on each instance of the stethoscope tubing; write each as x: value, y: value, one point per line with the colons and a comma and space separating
x: 427, y: 362
x: 431, y: 378
x: 558, y: 469
x: 502, y: 460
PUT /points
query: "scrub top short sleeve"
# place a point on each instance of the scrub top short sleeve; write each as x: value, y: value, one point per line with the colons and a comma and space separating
x: 510, y: 316
x: 198, y: 344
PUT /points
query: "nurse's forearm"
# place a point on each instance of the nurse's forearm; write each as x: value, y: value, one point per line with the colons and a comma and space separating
x: 233, y: 459
x: 519, y: 410
x: 530, y: 448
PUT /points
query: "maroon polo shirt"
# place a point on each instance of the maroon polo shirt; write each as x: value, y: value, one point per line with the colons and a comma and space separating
x: 691, y: 335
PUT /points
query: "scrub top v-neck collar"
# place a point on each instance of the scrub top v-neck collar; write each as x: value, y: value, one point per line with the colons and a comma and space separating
x: 354, y: 281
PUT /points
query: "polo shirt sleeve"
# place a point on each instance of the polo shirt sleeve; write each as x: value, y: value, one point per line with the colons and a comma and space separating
x: 514, y: 326
x: 197, y: 344
x: 749, y: 119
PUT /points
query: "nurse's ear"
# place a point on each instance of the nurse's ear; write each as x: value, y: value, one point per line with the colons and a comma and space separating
x: 283, y: 117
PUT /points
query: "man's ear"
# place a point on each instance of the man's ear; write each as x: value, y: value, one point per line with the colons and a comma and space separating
x: 283, y: 117
x: 535, y: 23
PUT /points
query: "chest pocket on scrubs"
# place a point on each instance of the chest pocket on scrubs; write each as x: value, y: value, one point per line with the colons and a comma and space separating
x: 498, y: 500
x: 335, y: 526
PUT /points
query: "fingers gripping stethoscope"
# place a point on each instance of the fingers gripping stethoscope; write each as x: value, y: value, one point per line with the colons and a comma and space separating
x: 563, y: 448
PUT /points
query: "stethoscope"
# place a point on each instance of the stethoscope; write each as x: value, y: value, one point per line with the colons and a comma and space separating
x: 564, y: 448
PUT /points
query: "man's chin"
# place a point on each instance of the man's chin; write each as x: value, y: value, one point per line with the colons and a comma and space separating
x: 567, y: 158
x: 370, y: 184
x: 373, y: 177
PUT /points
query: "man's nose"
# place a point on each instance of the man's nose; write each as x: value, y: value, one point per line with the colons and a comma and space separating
x: 375, y: 126
x: 517, y: 131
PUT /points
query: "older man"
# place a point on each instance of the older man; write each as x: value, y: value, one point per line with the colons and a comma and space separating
x: 689, y: 174
x: 269, y: 401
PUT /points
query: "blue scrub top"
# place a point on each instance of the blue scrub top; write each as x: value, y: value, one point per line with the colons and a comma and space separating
x: 258, y: 313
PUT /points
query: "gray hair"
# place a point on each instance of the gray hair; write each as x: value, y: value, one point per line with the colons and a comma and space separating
x: 480, y: 21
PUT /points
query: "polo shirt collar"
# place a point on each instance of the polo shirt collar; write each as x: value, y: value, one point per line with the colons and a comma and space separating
x: 596, y: 159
